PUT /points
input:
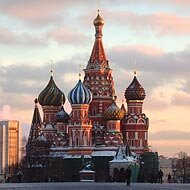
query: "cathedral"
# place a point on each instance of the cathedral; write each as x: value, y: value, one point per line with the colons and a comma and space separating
x: 96, y: 126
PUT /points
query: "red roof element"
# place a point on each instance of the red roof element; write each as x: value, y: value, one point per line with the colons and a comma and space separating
x: 98, y: 58
x: 123, y: 108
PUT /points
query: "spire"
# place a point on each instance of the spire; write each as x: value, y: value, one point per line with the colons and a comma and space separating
x: 35, y: 128
x: 98, y: 58
x: 36, y: 122
x: 123, y: 107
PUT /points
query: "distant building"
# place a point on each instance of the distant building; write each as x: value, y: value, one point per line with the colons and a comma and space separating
x: 9, y: 145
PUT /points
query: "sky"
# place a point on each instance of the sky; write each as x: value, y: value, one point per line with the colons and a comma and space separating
x: 154, y: 34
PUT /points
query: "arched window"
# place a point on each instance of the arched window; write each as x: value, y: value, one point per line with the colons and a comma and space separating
x: 131, y: 121
x: 141, y: 121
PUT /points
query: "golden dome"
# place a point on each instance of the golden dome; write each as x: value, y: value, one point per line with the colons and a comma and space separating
x: 98, y: 20
x: 113, y: 112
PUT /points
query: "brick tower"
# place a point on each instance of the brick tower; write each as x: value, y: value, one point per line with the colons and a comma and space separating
x: 135, y: 123
x: 98, y: 78
x: 79, y: 127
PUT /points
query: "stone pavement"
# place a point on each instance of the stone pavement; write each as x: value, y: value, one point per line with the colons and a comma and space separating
x: 92, y: 186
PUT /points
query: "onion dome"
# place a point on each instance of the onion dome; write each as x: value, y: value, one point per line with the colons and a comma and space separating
x: 98, y: 20
x: 135, y: 91
x: 51, y: 95
x: 113, y: 112
x: 62, y: 115
x: 80, y: 94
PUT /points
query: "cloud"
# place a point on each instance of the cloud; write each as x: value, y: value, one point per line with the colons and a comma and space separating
x: 183, y: 3
x: 62, y: 36
x: 162, y: 23
x: 170, y: 135
x: 163, y: 75
x: 168, y: 142
x: 40, y: 12
x: 5, y: 112
x: 21, y: 83
x: 68, y: 36
x: 181, y: 99
x: 167, y: 64
x: 9, y: 37
x: 35, y: 12
x: 169, y: 148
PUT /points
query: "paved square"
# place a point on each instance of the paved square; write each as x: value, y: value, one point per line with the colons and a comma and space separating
x: 91, y: 186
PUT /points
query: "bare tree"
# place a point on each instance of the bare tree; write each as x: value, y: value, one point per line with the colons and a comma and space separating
x: 181, y: 167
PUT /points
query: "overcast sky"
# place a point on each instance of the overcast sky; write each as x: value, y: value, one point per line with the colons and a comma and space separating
x: 154, y: 34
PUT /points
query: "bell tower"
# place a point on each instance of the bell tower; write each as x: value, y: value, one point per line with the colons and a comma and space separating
x: 98, y: 78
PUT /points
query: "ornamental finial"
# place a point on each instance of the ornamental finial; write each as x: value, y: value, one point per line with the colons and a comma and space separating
x: 80, y: 71
x: 51, y: 73
x: 135, y: 72
x: 51, y: 65
x: 98, y: 20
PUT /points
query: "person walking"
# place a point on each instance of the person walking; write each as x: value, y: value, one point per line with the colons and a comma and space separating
x: 169, y: 178
x: 160, y: 175
x: 128, y: 175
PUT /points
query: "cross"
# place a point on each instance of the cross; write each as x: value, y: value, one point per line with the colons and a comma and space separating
x: 80, y: 70
x: 51, y: 66
x: 135, y: 72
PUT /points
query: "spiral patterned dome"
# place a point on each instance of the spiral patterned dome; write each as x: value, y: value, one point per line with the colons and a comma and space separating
x: 80, y: 94
x: 51, y: 95
x: 113, y: 112
x: 135, y: 91
x: 62, y: 115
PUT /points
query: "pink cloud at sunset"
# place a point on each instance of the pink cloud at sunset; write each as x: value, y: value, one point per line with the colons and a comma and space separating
x: 66, y: 36
x: 141, y: 48
x: 11, y: 37
x: 161, y: 23
x: 6, y: 112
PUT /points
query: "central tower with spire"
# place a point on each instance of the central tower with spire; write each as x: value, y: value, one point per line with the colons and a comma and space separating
x: 98, y: 78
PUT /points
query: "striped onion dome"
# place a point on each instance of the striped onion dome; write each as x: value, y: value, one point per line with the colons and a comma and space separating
x: 51, y: 95
x: 80, y: 94
x: 113, y: 112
